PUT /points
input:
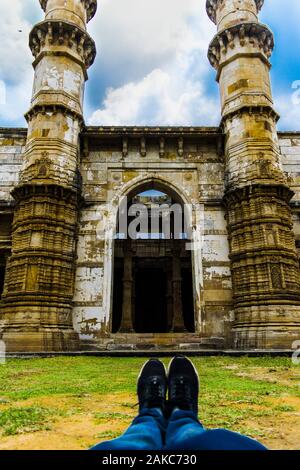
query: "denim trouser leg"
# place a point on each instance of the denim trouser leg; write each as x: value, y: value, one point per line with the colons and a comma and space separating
x: 185, y: 432
x: 145, y: 433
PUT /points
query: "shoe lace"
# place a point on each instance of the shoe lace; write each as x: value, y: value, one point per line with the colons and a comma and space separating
x: 181, y: 395
x: 154, y: 394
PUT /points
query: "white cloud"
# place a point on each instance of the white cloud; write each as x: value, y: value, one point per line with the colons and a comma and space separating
x: 288, y: 106
x: 15, y: 58
x: 157, y: 99
x: 171, y: 42
x: 148, y: 31
x: 154, y: 54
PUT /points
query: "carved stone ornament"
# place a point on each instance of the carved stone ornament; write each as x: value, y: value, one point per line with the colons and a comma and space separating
x: 211, y: 7
x: 276, y: 277
x: 90, y: 5
x: 243, y: 34
x: 62, y: 33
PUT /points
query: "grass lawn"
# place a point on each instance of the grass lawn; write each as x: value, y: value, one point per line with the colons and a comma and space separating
x: 74, y: 402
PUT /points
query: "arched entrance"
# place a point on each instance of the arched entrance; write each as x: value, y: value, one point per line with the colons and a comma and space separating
x: 152, y: 279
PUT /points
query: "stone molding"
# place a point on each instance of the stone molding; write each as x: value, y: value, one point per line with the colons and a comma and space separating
x: 58, y: 97
x: 240, y: 36
x: 212, y: 5
x: 267, y: 111
x: 53, y: 108
x: 139, y: 131
x: 52, y: 33
x: 24, y: 191
x: 90, y: 5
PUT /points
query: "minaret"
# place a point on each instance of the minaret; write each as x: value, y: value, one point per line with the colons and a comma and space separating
x: 264, y: 263
x: 37, y: 298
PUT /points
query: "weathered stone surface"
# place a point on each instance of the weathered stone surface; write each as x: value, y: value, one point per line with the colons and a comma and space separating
x: 36, y: 303
x: 62, y: 184
x: 264, y: 261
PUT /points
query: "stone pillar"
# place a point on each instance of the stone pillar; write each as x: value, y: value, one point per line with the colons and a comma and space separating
x: 169, y: 297
x: 38, y: 292
x: 133, y: 300
x: 127, y: 321
x: 264, y: 266
x: 178, y: 323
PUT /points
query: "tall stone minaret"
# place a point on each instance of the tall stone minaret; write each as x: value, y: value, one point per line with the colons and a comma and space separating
x: 37, y: 298
x: 264, y: 264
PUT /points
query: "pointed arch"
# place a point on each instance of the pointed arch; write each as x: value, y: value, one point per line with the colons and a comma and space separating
x: 180, y: 195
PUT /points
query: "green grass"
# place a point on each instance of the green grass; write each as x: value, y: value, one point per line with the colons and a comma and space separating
x: 20, y: 420
x: 227, y: 399
x: 27, y: 378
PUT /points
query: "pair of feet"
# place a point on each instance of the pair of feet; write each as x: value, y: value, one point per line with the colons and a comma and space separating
x: 180, y: 383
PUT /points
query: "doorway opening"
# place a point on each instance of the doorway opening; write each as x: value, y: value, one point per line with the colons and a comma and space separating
x: 153, y: 281
x: 150, y: 298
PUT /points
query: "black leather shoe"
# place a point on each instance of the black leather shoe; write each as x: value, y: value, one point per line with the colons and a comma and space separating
x: 183, y: 384
x: 152, y: 385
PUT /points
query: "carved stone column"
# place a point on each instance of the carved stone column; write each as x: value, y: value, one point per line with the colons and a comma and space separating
x: 264, y: 265
x: 36, y: 312
x: 127, y: 320
x: 178, y: 322
x: 169, y: 298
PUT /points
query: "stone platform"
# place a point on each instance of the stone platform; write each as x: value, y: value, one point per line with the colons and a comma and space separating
x: 157, y: 353
x: 154, y: 342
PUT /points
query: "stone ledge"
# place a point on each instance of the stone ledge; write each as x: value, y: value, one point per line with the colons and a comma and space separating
x: 160, y: 353
x: 212, y: 5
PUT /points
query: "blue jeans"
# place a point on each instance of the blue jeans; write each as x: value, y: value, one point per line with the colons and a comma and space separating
x: 151, y: 431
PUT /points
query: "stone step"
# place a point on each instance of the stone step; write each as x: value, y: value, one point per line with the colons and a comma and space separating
x: 173, y: 337
x: 158, y: 353
x: 154, y: 342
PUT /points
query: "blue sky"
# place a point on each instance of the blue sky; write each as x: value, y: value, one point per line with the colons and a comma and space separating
x: 151, y: 67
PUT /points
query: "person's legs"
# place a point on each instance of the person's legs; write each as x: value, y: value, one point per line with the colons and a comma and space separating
x: 148, y: 428
x: 146, y: 432
x: 184, y: 431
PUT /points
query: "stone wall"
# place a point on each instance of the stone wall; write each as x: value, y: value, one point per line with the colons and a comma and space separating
x: 188, y: 163
x: 290, y: 150
x: 114, y: 163
x: 12, y: 142
x: 289, y: 143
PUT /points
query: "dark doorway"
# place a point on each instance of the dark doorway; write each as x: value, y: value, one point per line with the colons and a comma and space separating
x: 150, y: 301
x: 153, y: 285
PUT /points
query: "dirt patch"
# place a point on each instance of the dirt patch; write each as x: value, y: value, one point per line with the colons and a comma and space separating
x: 278, y: 433
x: 92, y: 418
x: 281, y: 430
x: 287, y: 376
x: 76, y: 433
x: 89, y: 418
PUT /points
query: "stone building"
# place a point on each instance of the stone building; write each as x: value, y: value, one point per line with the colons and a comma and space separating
x: 70, y: 281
